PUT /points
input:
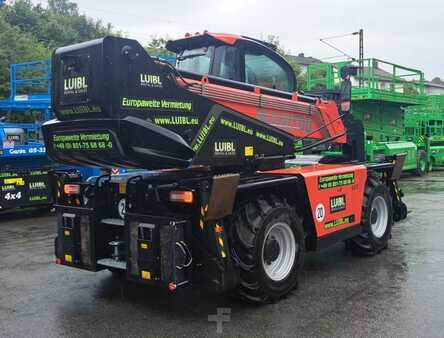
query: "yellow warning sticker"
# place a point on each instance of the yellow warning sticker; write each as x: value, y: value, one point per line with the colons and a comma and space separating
x: 249, y: 151
x: 145, y: 274
x: 68, y: 258
x: 16, y: 181
x: 122, y: 188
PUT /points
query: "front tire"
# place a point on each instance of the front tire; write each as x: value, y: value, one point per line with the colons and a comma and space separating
x: 377, y: 220
x: 421, y: 166
x: 268, y: 247
x: 431, y: 164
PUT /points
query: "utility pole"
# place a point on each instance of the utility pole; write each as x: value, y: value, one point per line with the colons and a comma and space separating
x: 361, y: 51
x: 361, y: 44
x: 361, y: 56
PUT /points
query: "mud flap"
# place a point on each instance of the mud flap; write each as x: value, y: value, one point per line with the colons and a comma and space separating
x: 399, y: 207
x: 217, y: 202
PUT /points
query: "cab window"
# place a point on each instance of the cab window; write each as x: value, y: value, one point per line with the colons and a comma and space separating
x: 262, y: 70
x: 196, y: 60
x: 225, y: 63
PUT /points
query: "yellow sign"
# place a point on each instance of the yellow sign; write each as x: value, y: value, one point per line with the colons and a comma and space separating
x: 145, y: 274
x: 249, y: 151
x: 68, y: 258
x: 16, y: 181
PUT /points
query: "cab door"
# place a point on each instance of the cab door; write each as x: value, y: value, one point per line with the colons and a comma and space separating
x: 226, y: 63
x: 261, y: 66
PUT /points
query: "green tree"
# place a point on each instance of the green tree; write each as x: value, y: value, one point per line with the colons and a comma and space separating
x: 59, y: 24
x: 410, y: 88
x: 29, y: 32
x: 63, y: 7
x: 286, y: 54
x: 320, y: 75
x: 16, y: 46
x: 156, y: 46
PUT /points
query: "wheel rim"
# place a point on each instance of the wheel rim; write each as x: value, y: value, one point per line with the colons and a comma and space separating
x: 422, y: 165
x: 121, y: 206
x: 379, y: 216
x: 280, y: 265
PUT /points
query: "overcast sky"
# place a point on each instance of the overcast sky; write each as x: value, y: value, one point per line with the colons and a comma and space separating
x: 406, y: 32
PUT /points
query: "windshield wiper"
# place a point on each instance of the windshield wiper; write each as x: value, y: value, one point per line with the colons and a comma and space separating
x: 190, y: 56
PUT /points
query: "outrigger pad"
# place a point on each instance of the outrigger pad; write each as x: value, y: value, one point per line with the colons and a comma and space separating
x: 128, y: 142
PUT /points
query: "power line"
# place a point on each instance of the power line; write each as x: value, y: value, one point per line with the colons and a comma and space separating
x: 339, y: 36
x: 197, y: 27
x: 337, y: 49
x: 332, y: 57
x: 144, y: 17
x: 360, y: 33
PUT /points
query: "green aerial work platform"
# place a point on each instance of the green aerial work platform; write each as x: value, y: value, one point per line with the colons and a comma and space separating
x: 424, y: 125
x: 380, y: 92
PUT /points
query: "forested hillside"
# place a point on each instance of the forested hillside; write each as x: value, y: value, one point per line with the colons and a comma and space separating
x: 29, y: 32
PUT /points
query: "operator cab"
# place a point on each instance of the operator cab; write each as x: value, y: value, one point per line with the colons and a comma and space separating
x: 235, y: 58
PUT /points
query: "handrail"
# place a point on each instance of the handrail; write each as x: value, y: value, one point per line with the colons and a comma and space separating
x: 375, y: 75
x: 29, y: 76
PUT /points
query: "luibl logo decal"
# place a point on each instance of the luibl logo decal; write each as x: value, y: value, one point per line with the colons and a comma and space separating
x: 150, y: 80
x: 8, y: 187
x: 37, y: 185
x: 13, y: 137
x: 337, y: 203
x: 75, y: 85
x: 224, y: 148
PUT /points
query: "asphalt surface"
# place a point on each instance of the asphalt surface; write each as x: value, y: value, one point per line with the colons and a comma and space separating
x: 397, y: 293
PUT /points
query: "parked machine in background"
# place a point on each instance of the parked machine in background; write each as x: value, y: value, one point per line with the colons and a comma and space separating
x: 381, y: 91
x: 424, y: 125
x: 25, y: 178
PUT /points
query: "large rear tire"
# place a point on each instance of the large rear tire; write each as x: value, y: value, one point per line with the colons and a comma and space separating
x: 377, y: 220
x: 268, y: 247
